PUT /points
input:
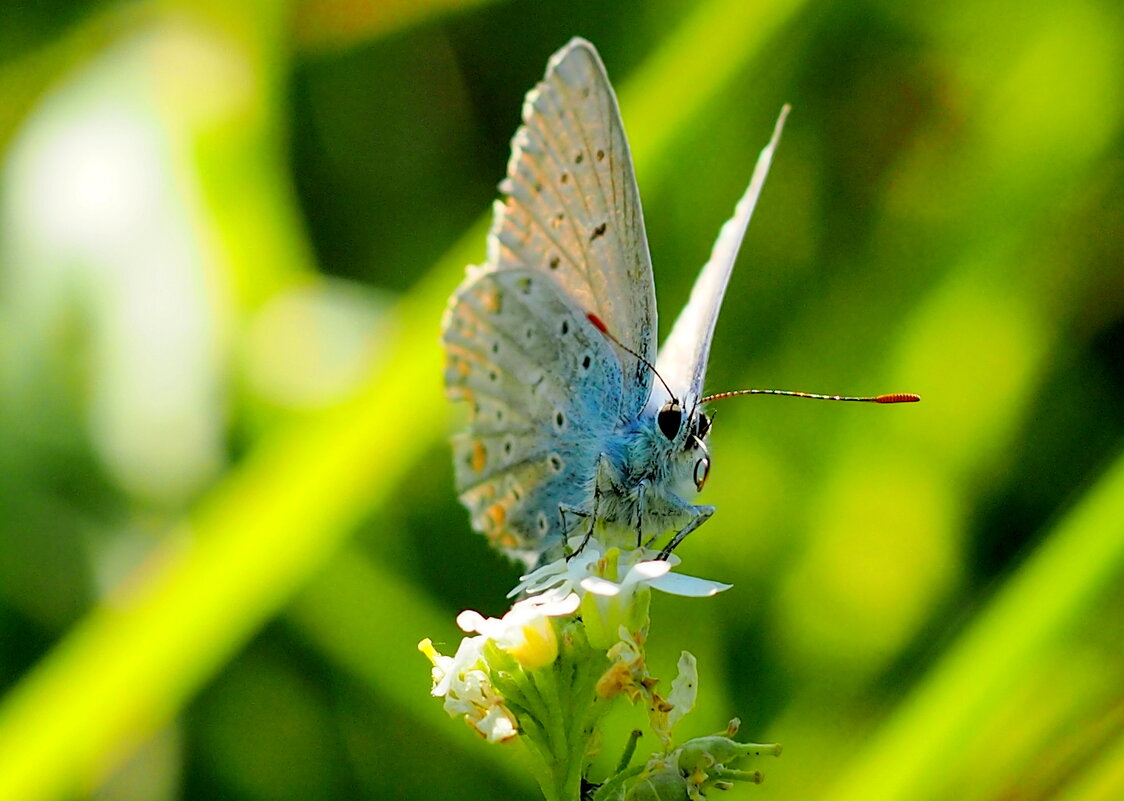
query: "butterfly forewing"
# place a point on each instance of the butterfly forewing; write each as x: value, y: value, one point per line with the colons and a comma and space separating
x: 573, y: 210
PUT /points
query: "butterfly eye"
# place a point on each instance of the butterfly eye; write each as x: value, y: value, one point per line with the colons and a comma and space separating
x: 669, y: 419
x: 702, y: 470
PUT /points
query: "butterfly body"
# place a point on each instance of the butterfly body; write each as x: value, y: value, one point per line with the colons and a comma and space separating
x: 552, y: 341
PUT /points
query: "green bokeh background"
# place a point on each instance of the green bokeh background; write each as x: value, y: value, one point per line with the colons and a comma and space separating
x: 227, y: 233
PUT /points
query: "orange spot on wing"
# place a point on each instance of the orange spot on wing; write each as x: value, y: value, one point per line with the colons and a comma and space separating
x: 496, y: 514
x: 479, y: 456
x: 492, y: 301
x: 504, y: 540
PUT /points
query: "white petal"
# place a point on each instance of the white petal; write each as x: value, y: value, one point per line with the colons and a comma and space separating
x: 550, y: 604
x: 600, y: 586
x: 646, y: 571
x: 688, y: 586
x: 471, y: 621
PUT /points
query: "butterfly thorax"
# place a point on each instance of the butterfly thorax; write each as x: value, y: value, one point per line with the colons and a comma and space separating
x: 647, y: 479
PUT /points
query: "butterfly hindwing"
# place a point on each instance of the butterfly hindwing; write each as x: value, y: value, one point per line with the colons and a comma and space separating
x: 544, y: 388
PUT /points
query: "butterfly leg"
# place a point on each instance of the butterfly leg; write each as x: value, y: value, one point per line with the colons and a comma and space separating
x: 605, y: 477
x: 564, y: 510
x: 641, y: 488
x: 699, y: 515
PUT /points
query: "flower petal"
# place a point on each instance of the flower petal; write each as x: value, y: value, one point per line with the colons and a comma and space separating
x: 600, y: 586
x: 688, y: 586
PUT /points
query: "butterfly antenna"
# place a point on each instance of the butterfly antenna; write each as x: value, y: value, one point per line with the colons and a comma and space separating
x: 893, y: 397
x: 600, y: 326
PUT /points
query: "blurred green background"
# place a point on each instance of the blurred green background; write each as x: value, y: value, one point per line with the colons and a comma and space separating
x: 227, y: 233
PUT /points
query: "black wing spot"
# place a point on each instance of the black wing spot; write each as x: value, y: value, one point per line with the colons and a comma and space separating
x: 507, y: 448
x: 600, y: 155
x: 564, y: 177
x: 525, y: 285
x: 598, y: 231
x: 556, y: 462
x: 557, y: 221
x: 495, y: 347
x: 565, y: 327
x: 579, y: 158
x: 586, y: 361
x: 493, y: 375
x: 559, y: 420
x: 555, y: 262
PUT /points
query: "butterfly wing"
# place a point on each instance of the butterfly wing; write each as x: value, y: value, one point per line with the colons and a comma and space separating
x: 546, y: 388
x: 573, y: 208
x: 682, y: 360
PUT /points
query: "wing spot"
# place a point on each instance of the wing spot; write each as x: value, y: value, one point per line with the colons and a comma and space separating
x: 493, y: 376
x: 557, y: 220
x: 542, y: 523
x: 496, y: 515
x: 598, y: 231
x: 556, y: 463
x: 507, y: 446
x: 565, y: 328
x: 600, y: 155
x: 564, y: 177
x: 525, y: 285
x: 493, y: 301
x: 479, y: 456
x: 559, y: 420
x: 585, y: 92
x: 496, y: 347
x: 554, y: 262
x: 579, y: 158
x: 586, y: 361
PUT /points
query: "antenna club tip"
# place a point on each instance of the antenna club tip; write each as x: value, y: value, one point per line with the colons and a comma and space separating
x: 898, y: 397
x: 600, y: 326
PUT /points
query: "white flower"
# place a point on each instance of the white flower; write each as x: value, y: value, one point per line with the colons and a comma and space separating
x: 594, y: 570
x: 525, y: 631
x: 464, y: 683
x: 609, y: 600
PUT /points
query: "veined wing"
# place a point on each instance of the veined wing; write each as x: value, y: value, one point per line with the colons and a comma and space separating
x: 573, y: 210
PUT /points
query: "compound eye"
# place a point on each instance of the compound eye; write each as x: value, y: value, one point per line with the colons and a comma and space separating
x: 702, y: 470
x: 669, y: 418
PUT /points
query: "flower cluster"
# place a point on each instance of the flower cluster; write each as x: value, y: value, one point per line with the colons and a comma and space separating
x: 548, y: 669
x: 464, y: 680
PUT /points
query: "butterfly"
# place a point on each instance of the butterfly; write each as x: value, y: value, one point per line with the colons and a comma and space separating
x: 574, y: 419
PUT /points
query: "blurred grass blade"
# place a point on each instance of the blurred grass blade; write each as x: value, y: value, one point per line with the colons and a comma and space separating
x: 1040, y: 605
x: 132, y: 663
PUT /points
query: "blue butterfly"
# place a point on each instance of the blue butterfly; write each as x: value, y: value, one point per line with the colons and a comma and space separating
x: 576, y: 425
